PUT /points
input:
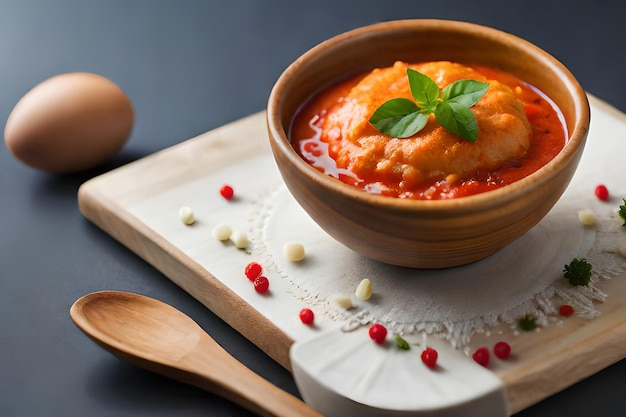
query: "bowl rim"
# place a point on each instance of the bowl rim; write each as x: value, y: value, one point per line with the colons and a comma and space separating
x: 493, y: 198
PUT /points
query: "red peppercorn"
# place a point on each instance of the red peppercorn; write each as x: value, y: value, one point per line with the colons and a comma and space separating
x: 261, y: 284
x: 307, y: 316
x: 378, y: 333
x: 227, y: 191
x: 566, y: 310
x: 481, y: 356
x: 602, y: 192
x: 502, y: 350
x: 429, y: 357
x: 253, y: 270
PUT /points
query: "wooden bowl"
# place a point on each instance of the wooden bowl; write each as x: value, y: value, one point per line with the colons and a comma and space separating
x: 415, y: 233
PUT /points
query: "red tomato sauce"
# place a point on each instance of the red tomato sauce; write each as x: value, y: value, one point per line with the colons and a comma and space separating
x: 549, y: 135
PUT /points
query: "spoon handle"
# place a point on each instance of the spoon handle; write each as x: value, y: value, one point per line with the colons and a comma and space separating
x: 154, y: 335
x: 238, y: 383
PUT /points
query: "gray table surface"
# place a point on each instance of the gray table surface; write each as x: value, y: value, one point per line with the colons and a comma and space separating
x: 191, y: 66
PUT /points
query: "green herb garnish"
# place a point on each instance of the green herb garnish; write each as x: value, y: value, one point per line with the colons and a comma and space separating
x: 527, y: 323
x: 401, y: 117
x: 401, y: 343
x: 578, y: 272
x: 622, y: 211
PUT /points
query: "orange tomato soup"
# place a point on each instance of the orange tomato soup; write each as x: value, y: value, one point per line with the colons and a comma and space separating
x: 322, y: 146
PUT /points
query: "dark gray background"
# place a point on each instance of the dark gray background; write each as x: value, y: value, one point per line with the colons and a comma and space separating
x: 188, y: 67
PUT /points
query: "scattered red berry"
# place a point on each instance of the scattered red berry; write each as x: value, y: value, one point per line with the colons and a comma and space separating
x: 253, y: 270
x: 566, y: 310
x: 378, y: 333
x: 307, y: 316
x: 261, y: 284
x: 429, y: 357
x: 481, y: 356
x: 502, y: 350
x: 227, y: 191
x: 602, y: 192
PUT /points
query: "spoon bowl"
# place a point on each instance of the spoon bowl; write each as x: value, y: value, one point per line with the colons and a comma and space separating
x: 157, y: 337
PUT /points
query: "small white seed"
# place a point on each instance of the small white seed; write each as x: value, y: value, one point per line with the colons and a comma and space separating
x: 364, y: 290
x: 587, y: 217
x: 293, y: 251
x: 186, y: 215
x: 222, y: 232
x: 240, y: 239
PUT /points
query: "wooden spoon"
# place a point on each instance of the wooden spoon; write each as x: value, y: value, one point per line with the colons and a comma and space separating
x: 156, y: 336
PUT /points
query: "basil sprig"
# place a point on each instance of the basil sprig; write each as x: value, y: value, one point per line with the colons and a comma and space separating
x: 401, y: 117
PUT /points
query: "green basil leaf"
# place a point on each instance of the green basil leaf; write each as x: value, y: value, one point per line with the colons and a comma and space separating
x: 399, y: 117
x: 424, y: 90
x: 393, y: 108
x: 457, y: 119
x: 401, y: 343
x: 465, y: 92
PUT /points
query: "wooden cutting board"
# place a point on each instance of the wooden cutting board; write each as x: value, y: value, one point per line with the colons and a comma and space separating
x: 548, y: 361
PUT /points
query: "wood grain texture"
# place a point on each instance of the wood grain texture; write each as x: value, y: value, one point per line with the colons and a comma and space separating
x: 544, y: 362
x: 548, y: 361
x: 104, y: 201
x: 155, y: 336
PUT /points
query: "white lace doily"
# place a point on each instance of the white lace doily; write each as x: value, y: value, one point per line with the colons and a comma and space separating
x: 525, y: 277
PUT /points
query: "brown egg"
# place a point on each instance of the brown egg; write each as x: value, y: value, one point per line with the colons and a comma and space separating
x: 69, y: 123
